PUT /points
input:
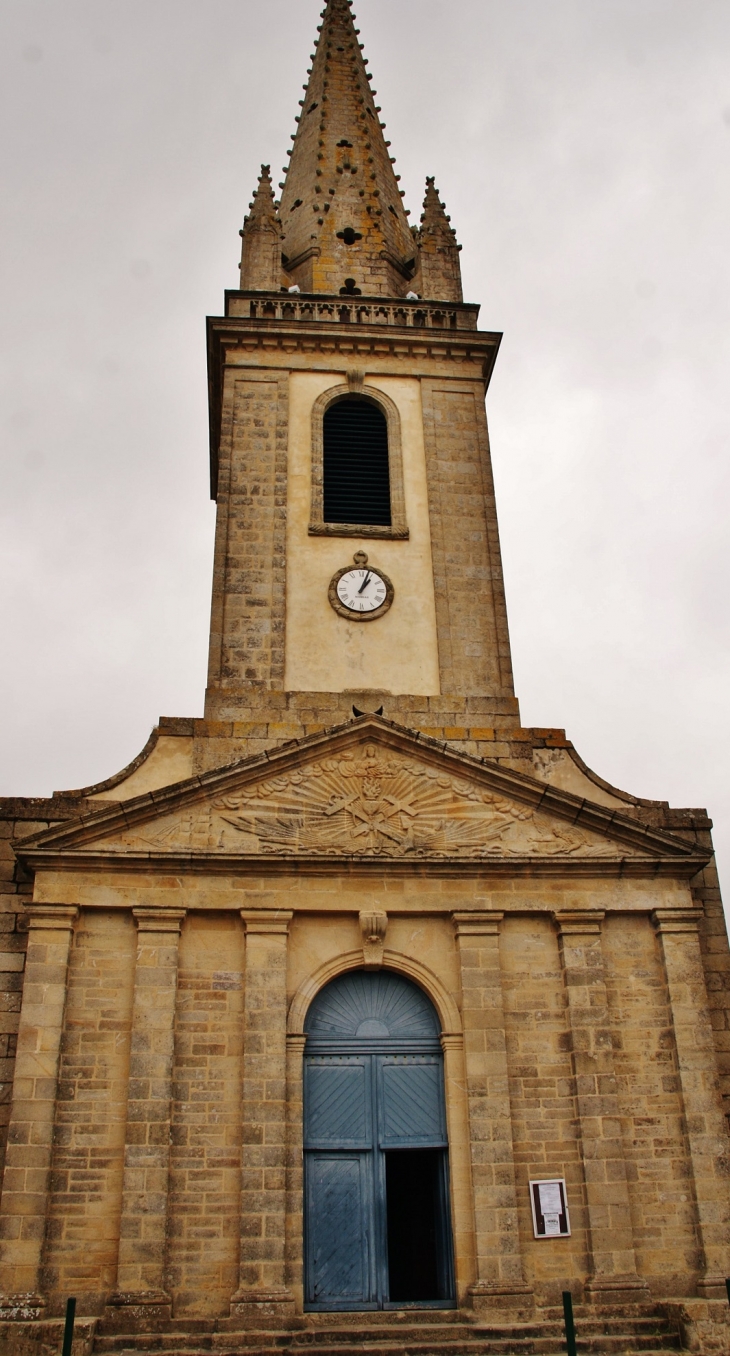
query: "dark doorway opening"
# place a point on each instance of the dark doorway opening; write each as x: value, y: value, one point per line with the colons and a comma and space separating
x: 417, y: 1228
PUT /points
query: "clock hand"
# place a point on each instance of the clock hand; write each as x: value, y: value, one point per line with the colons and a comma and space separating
x: 365, y: 582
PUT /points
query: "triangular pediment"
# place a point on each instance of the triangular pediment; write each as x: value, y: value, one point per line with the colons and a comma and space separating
x: 368, y: 790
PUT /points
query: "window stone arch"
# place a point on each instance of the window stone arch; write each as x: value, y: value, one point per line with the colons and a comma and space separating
x: 398, y: 528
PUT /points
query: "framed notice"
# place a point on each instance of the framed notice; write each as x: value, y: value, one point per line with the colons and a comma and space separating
x: 549, y: 1203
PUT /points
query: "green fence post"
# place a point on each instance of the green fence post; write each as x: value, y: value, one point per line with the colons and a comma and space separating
x: 68, y: 1331
x: 569, y: 1323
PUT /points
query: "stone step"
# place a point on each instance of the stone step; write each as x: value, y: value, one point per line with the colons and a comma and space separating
x: 397, y: 1347
x: 343, y: 1318
x: 526, y: 1346
x: 537, y: 1339
x: 152, y: 1341
x: 114, y: 1325
x: 595, y: 1327
x: 648, y: 1309
x: 605, y: 1330
x: 301, y: 1340
x: 412, y: 1331
x: 618, y: 1343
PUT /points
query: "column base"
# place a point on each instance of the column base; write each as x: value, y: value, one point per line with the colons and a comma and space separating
x: 704, y: 1325
x: 629, y: 1289
x: 137, y: 1311
x: 488, y: 1299
x: 711, y: 1286
x: 263, y: 1308
x: 24, y: 1308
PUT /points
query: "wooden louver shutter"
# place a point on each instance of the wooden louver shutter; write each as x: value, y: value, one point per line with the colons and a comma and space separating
x: 356, y: 471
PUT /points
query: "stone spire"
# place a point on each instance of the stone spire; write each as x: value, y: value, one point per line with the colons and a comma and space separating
x: 261, y: 240
x: 439, y: 277
x: 343, y: 220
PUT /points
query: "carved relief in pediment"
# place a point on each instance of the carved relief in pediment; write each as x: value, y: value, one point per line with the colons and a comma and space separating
x: 370, y: 801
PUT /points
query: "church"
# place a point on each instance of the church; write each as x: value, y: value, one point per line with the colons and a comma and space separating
x: 355, y: 1012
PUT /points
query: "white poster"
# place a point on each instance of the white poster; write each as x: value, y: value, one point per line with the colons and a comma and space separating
x: 551, y: 1206
x: 549, y: 1209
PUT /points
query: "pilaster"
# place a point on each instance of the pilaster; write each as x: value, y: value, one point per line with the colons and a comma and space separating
x: 613, y: 1263
x: 500, y: 1280
x: 263, y: 1294
x: 295, y: 1045
x: 26, y: 1182
x: 699, y: 1080
x: 141, y: 1267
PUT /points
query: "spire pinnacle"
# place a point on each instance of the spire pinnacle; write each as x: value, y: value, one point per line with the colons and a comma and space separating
x: 261, y: 240
x: 343, y: 222
x: 440, y: 270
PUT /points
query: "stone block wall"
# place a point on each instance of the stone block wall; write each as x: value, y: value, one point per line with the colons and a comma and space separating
x: 13, y: 940
x: 542, y: 1093
x: 247, y: 616
x: 82, y: 1236
x: 240, y: 725
x: 534, y: 1109
x: 471, y: 613
x: 205, y: 1159
x: 19, y: 817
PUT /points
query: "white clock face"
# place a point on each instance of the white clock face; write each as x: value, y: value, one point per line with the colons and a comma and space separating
x: 361, y: 590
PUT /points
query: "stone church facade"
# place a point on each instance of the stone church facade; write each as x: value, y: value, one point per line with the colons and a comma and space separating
x: 356, y: 997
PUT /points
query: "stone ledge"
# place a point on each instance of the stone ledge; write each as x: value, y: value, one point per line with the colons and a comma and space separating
x: 704, y: 1325
x: 44, y: 1337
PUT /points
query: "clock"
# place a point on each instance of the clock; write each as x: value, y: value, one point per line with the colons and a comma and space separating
x: 360, y: 592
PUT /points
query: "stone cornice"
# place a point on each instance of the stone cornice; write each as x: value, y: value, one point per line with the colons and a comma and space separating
x: 259, y: 864
x: 68, y: 846
x: 158, y: 920
x: 79, y: 835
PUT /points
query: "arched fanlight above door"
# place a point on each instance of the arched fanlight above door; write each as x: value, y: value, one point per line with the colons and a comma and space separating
x: 366, y: 1006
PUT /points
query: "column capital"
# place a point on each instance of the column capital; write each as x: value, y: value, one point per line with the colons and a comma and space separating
x: 159, y: 920
x: 296, y: 1042
x: 676, y: 920
x: 479, y: 924
x: 52, y: 916
x: 451, y: 1040
x: 577, y: 922
x: 270, y: 921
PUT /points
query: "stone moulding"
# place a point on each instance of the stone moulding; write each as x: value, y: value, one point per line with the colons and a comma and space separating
x: 354, y: 797
x: 306, y: 307
x: 442, y: 999
x: 291, y: 344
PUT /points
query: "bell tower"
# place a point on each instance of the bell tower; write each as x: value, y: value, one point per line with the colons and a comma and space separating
x: 348, y: 432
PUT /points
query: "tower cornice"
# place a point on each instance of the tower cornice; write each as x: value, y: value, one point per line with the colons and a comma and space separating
x: 306, y: 332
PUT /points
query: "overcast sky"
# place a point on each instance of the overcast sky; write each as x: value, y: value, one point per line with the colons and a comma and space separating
x: 582, y: 148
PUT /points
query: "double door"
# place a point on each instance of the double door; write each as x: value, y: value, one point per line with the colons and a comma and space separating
x: 377, y: 1229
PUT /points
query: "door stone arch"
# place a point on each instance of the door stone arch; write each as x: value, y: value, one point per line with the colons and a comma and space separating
x: 376, y: 1182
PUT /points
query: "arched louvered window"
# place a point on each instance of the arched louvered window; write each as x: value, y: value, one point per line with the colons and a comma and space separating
x: 356, y: 473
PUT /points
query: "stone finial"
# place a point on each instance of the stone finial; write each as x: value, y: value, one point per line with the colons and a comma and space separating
x: 440, y: 270
x: 261, y: 237
x: 373, y: 925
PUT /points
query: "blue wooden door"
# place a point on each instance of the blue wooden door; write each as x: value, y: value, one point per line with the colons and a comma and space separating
x: 338, y: 1142
x: 373, y: 1087
x: 339, y: 1197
